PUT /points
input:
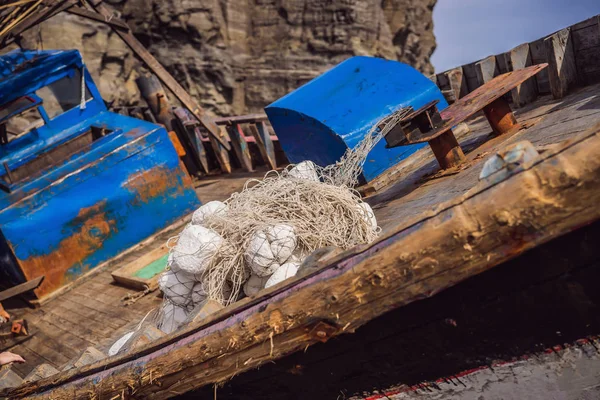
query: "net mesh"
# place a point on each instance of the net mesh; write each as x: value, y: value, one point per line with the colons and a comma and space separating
x: 276, y: 222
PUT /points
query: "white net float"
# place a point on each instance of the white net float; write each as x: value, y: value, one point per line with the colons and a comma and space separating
x: 282, y: 273
x: 208, y: 210
x: 195, y: 249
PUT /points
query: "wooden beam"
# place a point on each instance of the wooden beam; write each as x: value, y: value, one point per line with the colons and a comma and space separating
x: 19, y: 19
x: 519, y: 58
x: 94, y: 16
x: 492, y: 223
x: 538, y: 56
x: 486, y: 70
x: 40, y: 17
x: 152, y: 63
x: 240, y: 146
x: 15, y: 3
x: 562, y: 71
x: 241, y: 119
x: 221, y: 155
x: 263, y: 140
x: 22, y: 288
x: 458, y: 82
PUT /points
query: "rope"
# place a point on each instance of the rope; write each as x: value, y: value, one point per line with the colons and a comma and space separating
x: 272, y: 225
x: 82, y: 101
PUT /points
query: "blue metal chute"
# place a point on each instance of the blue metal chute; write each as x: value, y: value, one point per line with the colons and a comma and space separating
x: 335, y: 111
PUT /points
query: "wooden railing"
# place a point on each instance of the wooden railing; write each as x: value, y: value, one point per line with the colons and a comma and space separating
x: 573, y: 55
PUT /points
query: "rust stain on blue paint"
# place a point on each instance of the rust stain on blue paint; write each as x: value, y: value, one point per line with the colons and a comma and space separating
x: 87, y: 207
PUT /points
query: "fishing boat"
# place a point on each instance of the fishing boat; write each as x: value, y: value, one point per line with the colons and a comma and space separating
x: 483, y: 281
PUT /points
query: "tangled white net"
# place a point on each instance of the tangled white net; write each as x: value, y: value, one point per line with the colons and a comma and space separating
x: 260, y: 236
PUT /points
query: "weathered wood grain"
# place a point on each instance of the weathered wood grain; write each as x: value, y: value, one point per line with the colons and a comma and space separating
x: 240, y: 146
x: 221, y: 155
x: 457, y: 82
x: 538, y: 56
x: 562, y: 71
x: 261, y: 135
x: 518, y: 58
x: 20, y: 289
x: 470, y: 74
x: 486, y: 69
x: 490, y: 224
x: 126, y: 275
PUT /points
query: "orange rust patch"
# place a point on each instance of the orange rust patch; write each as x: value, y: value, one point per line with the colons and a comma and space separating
x: 155, y: 182
x: 177, y: 144
x: 94, y: 229
x: 149, y: 184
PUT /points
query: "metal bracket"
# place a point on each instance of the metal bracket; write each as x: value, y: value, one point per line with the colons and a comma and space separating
x: 416, y: 126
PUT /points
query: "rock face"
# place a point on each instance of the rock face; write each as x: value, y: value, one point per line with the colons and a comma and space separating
x: 236, y: 56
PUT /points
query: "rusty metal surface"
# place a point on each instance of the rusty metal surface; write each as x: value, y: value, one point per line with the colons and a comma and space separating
x: 476, y: 101
x: 81, y: 205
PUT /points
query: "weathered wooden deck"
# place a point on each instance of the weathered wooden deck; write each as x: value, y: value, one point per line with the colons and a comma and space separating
x: 92, y: 314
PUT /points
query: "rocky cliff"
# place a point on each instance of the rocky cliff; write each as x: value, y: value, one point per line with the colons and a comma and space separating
x: 236, y: 56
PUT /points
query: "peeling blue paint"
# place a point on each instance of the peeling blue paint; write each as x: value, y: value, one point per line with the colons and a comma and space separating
x: 334, y: 111
x: 87, y: 207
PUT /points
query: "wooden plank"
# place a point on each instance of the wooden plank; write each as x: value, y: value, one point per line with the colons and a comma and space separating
x: 22, y: 288
x: 31, y: 360
x: 76, y: 313
x: 126, y: 275
x: 240, y: 146
x: 538, y: 56
x: 221, y: 155
x: 470, y: 74
x: 8, y: 378
x: 152, y: 63
x: 588, y: 65
x: 267, y: 142
x: 442, y: 81
x: 458, y: 83
x: 554, y: 195
x: 94, y: 16
x: 562, y: 71
x: 83, y: 331
x: 519, y: 58
x: 190, y: 130
x: 61, y: 333
x: 264, y: 143
x: 586, y: 23
x: 44, y: 349
x: 486, y: 69
x: 241, y: 119
x: 38, y: 17
x: 40, y: 372
x: 587, y: 37
x: 52, y: 347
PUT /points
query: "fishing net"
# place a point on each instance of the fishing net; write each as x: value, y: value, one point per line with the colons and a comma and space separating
x: 260, y: 236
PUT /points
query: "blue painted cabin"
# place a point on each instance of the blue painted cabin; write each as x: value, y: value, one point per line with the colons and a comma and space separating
x: 334, y: 111
x: 80, y: 184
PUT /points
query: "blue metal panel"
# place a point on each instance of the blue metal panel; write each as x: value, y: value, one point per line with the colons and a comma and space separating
x: 107, y: 195
x: 334, y: 111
